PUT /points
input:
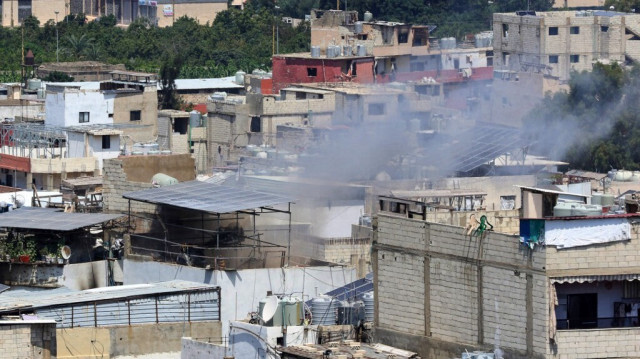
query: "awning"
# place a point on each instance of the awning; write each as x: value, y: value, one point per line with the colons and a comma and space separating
x: 595, y: 278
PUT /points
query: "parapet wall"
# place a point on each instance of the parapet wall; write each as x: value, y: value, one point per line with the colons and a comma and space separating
x: 455, y: 291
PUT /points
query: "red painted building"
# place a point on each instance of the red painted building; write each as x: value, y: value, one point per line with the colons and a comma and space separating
x: 302, y: 68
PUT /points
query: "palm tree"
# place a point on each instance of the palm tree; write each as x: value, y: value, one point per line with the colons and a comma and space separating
x: 78, y: 46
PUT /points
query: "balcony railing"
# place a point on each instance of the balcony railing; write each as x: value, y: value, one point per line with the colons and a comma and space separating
x: 599, y: 323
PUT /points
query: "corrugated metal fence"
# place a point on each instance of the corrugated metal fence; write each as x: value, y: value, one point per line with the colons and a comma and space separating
x: 202, y: 305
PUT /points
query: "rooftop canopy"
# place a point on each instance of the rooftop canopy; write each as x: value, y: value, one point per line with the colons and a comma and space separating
x: 35, y: 218
x: 207, y: 197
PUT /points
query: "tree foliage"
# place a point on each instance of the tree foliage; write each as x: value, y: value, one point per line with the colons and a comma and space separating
x: 596, y: 125
x: 236, y: 40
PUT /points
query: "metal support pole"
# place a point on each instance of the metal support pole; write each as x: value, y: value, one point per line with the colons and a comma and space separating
x: 289, y: 239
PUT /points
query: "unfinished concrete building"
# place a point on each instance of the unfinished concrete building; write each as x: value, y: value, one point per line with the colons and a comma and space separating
x: 563, y: 287
x: 237, y: 121
x: 560, y: 42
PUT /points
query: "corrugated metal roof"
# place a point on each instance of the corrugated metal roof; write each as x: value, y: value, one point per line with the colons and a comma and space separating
x: 207, y: 197
x: 44, y: 299
x: 52, y: 219
x: 206, y: 84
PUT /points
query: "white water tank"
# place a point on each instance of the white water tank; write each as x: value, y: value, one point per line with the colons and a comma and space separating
x: 367, y: 298
x: 368, y: 16
x: 240, y: 77
x: 323, y: 311
x: 315, y: 51
x: 358, y: 28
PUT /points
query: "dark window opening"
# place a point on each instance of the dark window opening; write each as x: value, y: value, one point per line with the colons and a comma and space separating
x: 376, y: 109
x: 553, y: 30
x: 420, y: 37
x: 135, y: 115
x: 403, y: 37
x: 574, y: 30
x: 582, y: 311
x: 574, y: 59
x: 489, y: 61
x: 456, y: 64
x: 106, y: 142
x: 301, y: 96
x: 83, y: 117
x: 505, y: 30
x: 312, y: 71
x: 362, y: 36
x: 553, y: 59
x: 256, y: 125
x: 604, y: 28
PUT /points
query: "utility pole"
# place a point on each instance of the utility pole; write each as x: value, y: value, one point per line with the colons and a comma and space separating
x: 57, y: 40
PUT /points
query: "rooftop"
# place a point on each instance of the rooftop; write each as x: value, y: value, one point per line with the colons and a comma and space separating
x: 12, y: 301
x: 206, y: 84
x: 348, y: 349
x: 35, y: 218
x: 207, y: 197
x: 307, y: 55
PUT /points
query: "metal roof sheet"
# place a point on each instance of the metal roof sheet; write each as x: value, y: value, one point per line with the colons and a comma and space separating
x: 207, y: 197
x: 52, y: 219
x: 9, y: 303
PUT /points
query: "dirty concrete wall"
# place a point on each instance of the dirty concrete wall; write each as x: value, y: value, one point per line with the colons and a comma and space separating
x: 453, y: 292
x: 147, y: 103
x: 132, y: 173
x: 81, y: 276
x: 194, y: 349
x: 33, y: 340
x: 40, y: 275
x: 109, y: 342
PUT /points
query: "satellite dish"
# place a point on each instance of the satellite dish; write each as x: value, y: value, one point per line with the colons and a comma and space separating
x: 65, y: 252
x: 270, y: 307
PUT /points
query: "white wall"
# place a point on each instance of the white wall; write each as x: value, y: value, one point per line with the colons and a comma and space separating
x: 63, y: 108
x: 243, y: 289
x: 75, y: 144
x: 95, y: 148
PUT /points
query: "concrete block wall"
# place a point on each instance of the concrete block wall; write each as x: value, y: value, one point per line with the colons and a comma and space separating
x: 272, y: 107
x: 28, y: 340
x: 454, y: 299
x: 597, y: 343
x: 504, y: 305
x: 342, y: 251
x: 116, y: 184
x: 608, y: 258
x: 463, y: 280
x: 401, y: 290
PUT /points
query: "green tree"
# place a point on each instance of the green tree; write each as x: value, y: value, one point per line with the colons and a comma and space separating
x: 169, y: 72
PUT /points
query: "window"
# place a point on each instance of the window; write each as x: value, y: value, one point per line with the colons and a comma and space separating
x: 376, y: 109
x: 574, y: 30
x: 507, y: 202
x: 256, y: 125
x: 553, y: 30
x: 553, y: 59
x: 301, y: 95
x: 582, y: 311
x: 106, y: 142
x: 312, y: 71
x: 574, y: 59
x: 135, y: 115
x: 84, y: 117
x: 505, y: 30
x: 604, y: 28
x: 403, y: 36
